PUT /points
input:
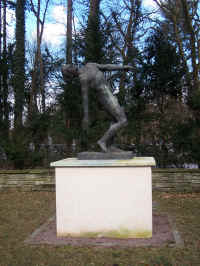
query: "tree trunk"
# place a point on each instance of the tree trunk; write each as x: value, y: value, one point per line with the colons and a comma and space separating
x: 194, y: 55
x: 183, y: 15
x: 69, y: 33
x: 38, y: 62
x: 94, y: 7
x: 128, y: 35
x: 0, y: 28
x: 1, y: 109
x: 19, y: 66
x: 5, y: 75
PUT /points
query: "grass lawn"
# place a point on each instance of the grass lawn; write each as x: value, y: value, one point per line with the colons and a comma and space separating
x: 21, y: 213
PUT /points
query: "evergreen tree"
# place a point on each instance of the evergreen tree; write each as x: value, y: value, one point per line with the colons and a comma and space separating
x: 17, y: 149
x: 163, y: 75
x: 93, y: 34
x: 4, y: 78
x: 164, y: 71
x: 6, y: 59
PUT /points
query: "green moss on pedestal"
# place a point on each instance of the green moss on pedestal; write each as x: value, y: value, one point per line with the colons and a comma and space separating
x: 122, y: 233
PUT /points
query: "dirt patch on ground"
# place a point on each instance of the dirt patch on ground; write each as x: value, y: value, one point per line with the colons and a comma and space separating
x: 163, y: 234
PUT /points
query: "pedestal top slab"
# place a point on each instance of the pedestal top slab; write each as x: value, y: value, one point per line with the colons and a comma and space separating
x: 134, y: 162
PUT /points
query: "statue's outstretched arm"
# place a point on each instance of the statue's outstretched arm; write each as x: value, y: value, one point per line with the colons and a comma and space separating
x: 111, y: 67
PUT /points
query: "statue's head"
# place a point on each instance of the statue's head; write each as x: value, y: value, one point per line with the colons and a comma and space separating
x: 69, y: 72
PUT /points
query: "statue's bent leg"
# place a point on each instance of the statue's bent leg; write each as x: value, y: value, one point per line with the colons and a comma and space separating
x: 111, y: 105
x: 111, y: 132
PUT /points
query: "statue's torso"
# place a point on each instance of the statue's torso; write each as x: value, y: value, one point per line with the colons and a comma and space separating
x: 92, y: 77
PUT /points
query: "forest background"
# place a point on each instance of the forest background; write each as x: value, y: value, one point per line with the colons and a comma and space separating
x: 161, y: 96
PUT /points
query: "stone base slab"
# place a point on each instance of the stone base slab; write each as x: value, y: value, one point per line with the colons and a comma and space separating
x: 105, y: 155
x: 164, y: 233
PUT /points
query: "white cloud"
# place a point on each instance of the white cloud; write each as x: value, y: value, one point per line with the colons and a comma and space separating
x: 10, y: 17
x: 59, y: 14
x: 149, y: 4
x: 55, y: 30
x: 54, y: 33
x: 55, y: 26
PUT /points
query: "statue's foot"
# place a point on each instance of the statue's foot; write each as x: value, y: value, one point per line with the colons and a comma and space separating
x: 102, y: 145
x: 113, y: 148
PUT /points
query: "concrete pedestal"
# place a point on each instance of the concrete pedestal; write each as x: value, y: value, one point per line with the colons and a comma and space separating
x: 104, y: 198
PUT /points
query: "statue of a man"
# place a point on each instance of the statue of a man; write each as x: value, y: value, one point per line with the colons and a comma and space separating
x: 92, y: 77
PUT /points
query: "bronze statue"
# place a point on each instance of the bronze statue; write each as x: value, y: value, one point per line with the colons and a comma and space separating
x: 92, y: 77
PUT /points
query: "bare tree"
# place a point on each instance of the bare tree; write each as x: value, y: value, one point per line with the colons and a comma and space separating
x: 0, y: 60
x: 126, y: 18
x: 38, y: 62
x: 184, y: 16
